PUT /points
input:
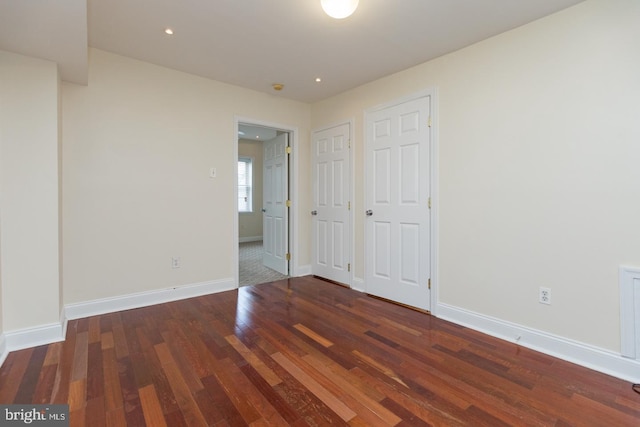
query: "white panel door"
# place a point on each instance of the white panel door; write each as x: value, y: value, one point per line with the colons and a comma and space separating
x: 397, y: 224
x: 331, y: 203
x: 275, y: 213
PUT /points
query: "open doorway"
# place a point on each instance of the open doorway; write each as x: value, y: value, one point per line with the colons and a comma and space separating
x: 263, y: 217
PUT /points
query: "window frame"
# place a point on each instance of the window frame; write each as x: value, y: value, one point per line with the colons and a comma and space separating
x: 247, y: 160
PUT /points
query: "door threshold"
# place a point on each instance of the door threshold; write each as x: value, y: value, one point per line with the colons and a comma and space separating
x: 331, y: 281
x: 419, y: 310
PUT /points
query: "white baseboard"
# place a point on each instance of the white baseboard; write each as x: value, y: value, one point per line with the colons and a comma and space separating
x: 33, y: 337
x: 144, y: 299
x: 357, y: 284
x: 54, y: 332
x: 302, y: 270
x: 563, y: 348
x: 250, y: 239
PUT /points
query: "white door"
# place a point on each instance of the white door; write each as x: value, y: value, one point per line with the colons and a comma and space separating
x: 397, y: 223
x: 275, y: 213
x: 331, y: 204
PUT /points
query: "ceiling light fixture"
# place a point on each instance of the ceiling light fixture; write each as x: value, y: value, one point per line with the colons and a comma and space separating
x: 339, y: 9
x: 318, y: 79
x: 168, y: 31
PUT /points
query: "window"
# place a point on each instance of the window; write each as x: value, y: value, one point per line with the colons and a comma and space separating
x: 245, y: 184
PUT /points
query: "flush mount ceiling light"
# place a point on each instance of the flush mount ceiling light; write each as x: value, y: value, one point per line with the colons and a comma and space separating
x: 339, y: 9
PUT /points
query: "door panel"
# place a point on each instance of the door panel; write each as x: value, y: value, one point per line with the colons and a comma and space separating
x: 275, y: 211
x: 382, y: 249
x: 331, y: 194
x: 338, y: 249
x: 397, y: 232
x: 409, y: 251
x: 382, y: 176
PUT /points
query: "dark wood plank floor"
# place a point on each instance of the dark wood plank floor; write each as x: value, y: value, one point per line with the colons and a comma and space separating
x: 304, y: 352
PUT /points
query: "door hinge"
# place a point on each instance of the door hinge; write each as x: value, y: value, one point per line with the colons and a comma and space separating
x: 348, y: 206
x: 429, y: 122
x: 348, y: 143
x: 429, y: 202
x: 349, y: 267
x: 429, y: 283
x: 288, y: 203
x: 288, y: 150
x: 288, y: 258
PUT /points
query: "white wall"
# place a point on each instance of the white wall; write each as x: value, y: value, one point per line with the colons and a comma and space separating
x: 538, y: 168
x: 139, y: 141
x: 29, y: 192
x: 250, y: 223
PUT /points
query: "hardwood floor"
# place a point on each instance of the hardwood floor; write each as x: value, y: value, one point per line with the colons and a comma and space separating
x: 304, y: 352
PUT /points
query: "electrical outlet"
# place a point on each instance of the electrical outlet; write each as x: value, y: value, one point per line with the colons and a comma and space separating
x: 544, y: 297
x: 175, y: 262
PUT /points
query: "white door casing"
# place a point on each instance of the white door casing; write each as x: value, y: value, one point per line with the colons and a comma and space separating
x: 397, y: 223
x: 331, y: 222
x: 275, y: 212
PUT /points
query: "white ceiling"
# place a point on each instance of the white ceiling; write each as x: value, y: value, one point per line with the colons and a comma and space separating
x: 256, y: 133
x: 255, y: 43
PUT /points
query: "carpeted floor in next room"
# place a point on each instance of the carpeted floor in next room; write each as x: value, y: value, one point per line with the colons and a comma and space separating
x: 252, y: 271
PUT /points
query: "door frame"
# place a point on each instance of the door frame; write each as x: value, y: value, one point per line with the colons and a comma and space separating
x: 352, y: 192
x: 432, y: 93
x: 293, y: 193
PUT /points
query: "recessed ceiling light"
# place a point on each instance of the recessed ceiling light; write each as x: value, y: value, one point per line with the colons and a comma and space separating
x: 168, y: 31
x: 318, y: 79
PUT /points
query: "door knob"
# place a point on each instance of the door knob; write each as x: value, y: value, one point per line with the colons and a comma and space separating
x: 263, y: 210
x: 369, y: 212
x: 314, y: 212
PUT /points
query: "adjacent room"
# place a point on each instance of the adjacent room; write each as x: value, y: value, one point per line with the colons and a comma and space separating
x: 259, y: 261
x: 446, y: 205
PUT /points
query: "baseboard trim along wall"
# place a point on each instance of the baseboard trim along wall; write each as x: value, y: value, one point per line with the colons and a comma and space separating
x: 357, y: 284
x: 302, y: 270
x: 33, y: 337
x: 144, y: 299
x: 47, y: 334
x: 563, y: 348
